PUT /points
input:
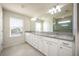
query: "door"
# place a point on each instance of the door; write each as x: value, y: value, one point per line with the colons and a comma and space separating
x: 1, y: 29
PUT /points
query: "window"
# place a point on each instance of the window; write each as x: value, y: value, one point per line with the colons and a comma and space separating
x: 16, y: 26
x: 38, y: 27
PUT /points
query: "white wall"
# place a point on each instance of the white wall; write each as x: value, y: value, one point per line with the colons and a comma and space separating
x: 76, y: 28
x: 77, y: 41
x: 1, y: 28
x: 10, y: 41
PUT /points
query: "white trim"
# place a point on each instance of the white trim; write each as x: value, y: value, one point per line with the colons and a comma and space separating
x: 75, y: 26
x: 15, y: 35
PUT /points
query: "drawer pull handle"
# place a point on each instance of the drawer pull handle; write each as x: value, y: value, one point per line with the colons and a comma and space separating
x: 65, y: 43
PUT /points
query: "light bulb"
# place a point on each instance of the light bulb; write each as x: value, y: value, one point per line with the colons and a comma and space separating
x: 50, y: 11
x: 58, y: 8
x: 34, y: 19
x: 54, y: 10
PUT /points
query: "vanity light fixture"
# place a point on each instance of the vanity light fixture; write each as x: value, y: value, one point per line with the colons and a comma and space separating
x: 58, y: 8
x: 34, y: 19
x: 55, y: 9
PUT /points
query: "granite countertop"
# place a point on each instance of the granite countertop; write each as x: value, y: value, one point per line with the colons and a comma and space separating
x: 63, y: 36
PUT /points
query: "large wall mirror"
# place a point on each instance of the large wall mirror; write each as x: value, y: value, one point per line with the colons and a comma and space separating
x: 57, y: 19
x: 63, y: 24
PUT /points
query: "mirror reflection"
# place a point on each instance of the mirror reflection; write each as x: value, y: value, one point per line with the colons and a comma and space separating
x: 56, y: 19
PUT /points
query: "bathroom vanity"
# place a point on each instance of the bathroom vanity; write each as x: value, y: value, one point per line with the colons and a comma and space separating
x: 51, y: 44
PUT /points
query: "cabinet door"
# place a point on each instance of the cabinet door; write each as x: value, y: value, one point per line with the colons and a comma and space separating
x: 39, y: 43
x: 44, y: 47
x: 36, y: 41
x: 65, y: 48
x: 52, y: 49
x: 1, y: 29
x: 65, y: 51
x: 27, y: 37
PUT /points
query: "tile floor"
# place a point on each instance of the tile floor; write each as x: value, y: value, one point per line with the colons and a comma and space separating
x: 23, y: 49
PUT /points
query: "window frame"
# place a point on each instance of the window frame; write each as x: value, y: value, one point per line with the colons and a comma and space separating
x: 15, y: 35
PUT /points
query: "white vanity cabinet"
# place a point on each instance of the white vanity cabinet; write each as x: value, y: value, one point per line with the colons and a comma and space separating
x: 52, y: 49
x: 50, y: 46
x: 36, y: 41
x: 1, y: 29
x: 29, y: 38
x: 65, y: 48
x: 40, y: 43
x: 27, y: 35
x: 43, y: 45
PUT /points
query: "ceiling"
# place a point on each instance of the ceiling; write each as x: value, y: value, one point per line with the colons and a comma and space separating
x: 33, y: 9
x: 29, y: 9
